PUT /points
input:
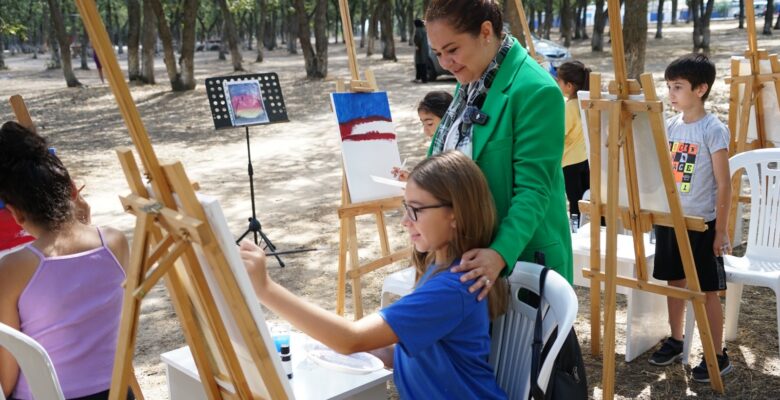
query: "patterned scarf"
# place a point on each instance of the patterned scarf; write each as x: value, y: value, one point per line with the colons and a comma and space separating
x: 449, y: 137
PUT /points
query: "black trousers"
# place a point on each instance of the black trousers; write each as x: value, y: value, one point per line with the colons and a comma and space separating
x: 421, y: 71
x: 577, y: 179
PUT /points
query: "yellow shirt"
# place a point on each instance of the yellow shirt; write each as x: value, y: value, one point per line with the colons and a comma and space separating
x: 574, y: 150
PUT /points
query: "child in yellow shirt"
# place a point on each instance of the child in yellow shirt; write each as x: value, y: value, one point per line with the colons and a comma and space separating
x: 572, y: 77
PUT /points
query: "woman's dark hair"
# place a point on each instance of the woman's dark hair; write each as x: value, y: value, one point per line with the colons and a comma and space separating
x: 576, y: 73
x: 419, y: 23
x: 436, y: 103
x: 32, y: 180
x: 467, y: 15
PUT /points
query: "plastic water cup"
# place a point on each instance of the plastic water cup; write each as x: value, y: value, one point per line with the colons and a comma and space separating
x: 280, y: 332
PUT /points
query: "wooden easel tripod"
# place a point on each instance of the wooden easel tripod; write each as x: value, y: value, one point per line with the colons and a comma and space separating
x: 170, y: 226
x: 621, y: 136
x: 348, y: 211
x: 751, y: 105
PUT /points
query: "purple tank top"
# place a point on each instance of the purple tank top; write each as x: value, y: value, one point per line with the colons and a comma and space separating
x: 72, y: 307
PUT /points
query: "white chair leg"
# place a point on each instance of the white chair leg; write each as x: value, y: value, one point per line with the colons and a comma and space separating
x: 690, y: 324
x: 733, y: 300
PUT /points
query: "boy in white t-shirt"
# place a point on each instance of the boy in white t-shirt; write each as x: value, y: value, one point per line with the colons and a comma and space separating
x: 698, y: 142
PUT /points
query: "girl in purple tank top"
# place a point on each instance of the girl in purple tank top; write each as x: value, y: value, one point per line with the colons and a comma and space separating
x: 64, y: 289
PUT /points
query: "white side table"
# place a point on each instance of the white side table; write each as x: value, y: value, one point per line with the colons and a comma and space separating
x: 310, y: 381
x: 647, y: 319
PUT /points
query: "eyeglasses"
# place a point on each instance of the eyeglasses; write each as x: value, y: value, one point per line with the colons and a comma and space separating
x: 411, y: 211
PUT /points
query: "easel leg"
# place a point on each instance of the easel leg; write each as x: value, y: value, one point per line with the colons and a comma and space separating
x: 125, y: 347
x: 354, y: 266
x: 341, y: 287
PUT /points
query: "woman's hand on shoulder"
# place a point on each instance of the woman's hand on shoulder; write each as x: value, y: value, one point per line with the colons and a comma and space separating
x: 484, y: 267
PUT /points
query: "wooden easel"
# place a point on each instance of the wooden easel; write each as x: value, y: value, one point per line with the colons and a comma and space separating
x: 348, y: 211
x: 529, y: 40
x: 21, y: 112
x: 621, y: 136
x: 163, y: 241
x: 739, y: 112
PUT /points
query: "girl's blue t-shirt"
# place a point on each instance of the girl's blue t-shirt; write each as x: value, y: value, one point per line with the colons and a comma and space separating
x: 443, y: 341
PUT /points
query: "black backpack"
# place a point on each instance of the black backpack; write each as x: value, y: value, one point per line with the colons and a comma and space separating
x: 567, y: 379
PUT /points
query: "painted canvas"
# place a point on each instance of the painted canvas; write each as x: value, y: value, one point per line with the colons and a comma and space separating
x: 245, y: 102
x: 368, y: 143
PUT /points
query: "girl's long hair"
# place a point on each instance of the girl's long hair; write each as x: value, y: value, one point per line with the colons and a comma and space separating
x: 453, y: 178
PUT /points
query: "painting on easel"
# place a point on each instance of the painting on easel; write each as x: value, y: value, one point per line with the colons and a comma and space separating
x: 368, y: 143
x: 769, y: 103
x: 245, y: 102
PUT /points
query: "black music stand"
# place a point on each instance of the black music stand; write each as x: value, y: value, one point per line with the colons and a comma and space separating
x: 220, y: 89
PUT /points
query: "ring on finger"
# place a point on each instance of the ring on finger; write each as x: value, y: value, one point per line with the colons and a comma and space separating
x: 487, y: 281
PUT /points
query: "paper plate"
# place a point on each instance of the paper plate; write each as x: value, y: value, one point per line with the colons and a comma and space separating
x: 356, y: 363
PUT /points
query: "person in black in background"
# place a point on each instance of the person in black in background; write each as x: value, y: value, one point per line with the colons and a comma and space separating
x: 420, y: 51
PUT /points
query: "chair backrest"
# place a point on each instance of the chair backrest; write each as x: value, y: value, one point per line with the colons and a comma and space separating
x: 762, y: 168
x: 512, y: 334
x: 34, y: 363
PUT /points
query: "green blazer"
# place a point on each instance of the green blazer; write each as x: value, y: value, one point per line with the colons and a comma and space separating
x: 519, y: 150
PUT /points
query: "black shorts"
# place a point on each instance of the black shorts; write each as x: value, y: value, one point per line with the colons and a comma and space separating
x: 668, y: 265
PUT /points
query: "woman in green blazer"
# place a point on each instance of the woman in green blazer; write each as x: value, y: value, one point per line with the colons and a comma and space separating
x: 508, y: 116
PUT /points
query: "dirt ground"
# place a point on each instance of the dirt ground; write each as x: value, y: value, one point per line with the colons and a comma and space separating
x: 297, y: 181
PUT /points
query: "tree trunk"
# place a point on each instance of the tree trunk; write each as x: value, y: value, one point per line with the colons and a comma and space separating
x: 385, y: 10
x: 84, y: 54
x: 701, y: 25
x: 56, y: 60
x: 770, y: 8
x: 635, y: 36
x: 187, y: 60
x: 741, y: 14
x: 232, y: 36
x: 167, y: 41
x: 149, y: 40
x: 400, y: 12
x: 548, y: 18
x: 133, y: 40
x: 512, y: 17
x: 260, y: 33
x: 64, y: 42
x: 292, y: 33
x: 674, y: 12
x: 410, y: 21
x: 316, y: 59
x: 599, y: 22
x: 363, y: 12
x: 2, y: 56
x: 373, y: 27
x: 660, y: 20
x: 566, y: 19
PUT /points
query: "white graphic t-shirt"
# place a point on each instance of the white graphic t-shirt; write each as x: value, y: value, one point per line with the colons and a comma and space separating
x: 691, y: 147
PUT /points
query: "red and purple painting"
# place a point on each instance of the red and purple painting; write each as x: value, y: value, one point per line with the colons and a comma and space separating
x: 245, y: 102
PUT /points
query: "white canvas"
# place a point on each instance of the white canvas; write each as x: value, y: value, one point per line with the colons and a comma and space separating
x: 220, y: 228
x: 770, y: 108
x: 368, y: 144
x: 651, y: 186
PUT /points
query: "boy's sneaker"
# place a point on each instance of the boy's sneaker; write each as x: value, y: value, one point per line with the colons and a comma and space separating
x: 700, y: 372
x: 670, y: 351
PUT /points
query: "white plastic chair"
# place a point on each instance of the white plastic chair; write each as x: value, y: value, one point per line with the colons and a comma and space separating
x: 510, y: 352
x: 34, y: 363
x: 760, y: 266
x: 398, y: 283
